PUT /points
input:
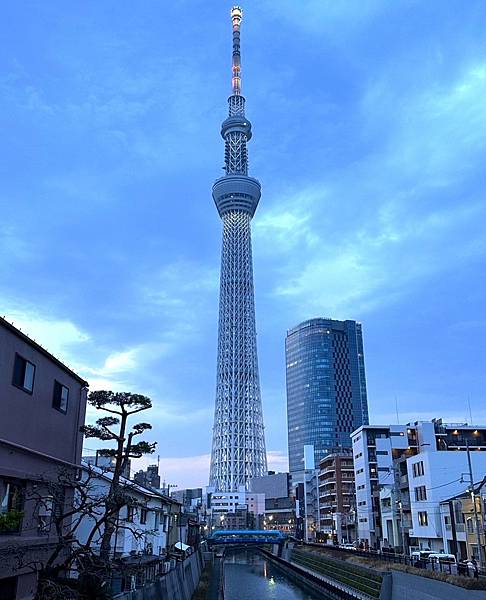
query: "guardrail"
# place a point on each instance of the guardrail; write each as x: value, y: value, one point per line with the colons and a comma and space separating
x: 465, y: 569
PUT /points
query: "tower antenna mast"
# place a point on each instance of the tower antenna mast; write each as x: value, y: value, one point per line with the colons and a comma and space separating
x: 236, y: 16
x: 238, y: 451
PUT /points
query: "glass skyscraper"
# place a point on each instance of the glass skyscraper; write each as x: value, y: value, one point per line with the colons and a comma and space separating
x: 326, y: 387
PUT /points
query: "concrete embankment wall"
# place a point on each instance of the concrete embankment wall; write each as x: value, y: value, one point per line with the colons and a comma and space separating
x: 398, y: 585
x: 178, y: 584
x: 314, y: 582
x: 406, y: 586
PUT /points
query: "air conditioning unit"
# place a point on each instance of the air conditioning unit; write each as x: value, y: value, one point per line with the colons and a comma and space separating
x: 166, y: 567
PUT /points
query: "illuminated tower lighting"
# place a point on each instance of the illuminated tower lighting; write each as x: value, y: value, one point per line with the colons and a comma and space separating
x: 238, y: 451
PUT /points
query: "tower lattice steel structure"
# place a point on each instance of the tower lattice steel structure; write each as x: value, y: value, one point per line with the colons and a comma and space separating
x: 238, y: 451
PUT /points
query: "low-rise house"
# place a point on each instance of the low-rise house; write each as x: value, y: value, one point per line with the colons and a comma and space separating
x: 43, y: 404
x: 147, y: 525
x: 459, y: 530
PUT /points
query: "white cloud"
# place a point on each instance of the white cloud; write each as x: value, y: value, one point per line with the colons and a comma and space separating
x: 58, y: 336
x: 341, y: 248
x: 285, y: 228
x: 277, y: 461
x: 121, y: 361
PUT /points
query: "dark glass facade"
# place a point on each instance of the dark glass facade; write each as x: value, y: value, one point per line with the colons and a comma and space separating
x: 326, y: 387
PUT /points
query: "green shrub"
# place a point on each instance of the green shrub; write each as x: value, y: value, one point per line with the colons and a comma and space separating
x: 10, y: 521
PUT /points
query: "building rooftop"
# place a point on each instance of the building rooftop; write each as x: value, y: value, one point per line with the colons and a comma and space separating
x: 25, y: 338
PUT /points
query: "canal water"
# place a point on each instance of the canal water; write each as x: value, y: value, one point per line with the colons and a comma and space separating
x: 248, y: 575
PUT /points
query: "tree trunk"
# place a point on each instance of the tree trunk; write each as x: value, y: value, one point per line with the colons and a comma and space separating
x: 112, y: 500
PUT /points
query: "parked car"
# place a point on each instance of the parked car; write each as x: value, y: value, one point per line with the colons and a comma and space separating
x: 420, y: 554
x: 419, y: 558
x: 347, y: 546
x: 442, y: 557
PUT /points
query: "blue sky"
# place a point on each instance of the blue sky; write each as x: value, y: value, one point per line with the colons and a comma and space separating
x: 369, y: 127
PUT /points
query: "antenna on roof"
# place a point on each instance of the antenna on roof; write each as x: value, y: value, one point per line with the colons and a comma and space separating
x: 469, y: 406
x: 396, y: 409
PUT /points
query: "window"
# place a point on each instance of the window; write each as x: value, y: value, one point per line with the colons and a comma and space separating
x: 143, y: 516
x: 381, y: 453
x: 157, y: 521
x: 60, y: 398
x: 11, y: 506
x: 130, y: 512
x: 23, y: 376
x: 420, y: 493
x: 423, y: 519
x: 418, y: 469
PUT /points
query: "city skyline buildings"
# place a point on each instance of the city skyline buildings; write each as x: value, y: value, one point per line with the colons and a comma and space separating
x: 113, y: 113
x: 326, y: 387
x: 238, y: 450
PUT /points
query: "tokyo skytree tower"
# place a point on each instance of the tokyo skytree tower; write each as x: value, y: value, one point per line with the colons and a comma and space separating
x: 238, y: 451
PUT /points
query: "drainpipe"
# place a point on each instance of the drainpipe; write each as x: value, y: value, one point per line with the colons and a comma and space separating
x: 454, y: 544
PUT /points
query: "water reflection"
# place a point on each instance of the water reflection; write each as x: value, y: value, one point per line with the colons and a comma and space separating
x: 249, y: 576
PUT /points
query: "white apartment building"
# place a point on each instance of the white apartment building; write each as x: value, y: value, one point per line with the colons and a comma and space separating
x: 221, y: 503
x: 148, y: 525
x: 403, y: 472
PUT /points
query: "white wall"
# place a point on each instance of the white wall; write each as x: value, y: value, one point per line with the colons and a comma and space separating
x: 442, y: 479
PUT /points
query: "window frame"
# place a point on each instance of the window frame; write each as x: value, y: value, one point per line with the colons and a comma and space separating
x: 13, y: 501
x: 61, y: 386
x: 423, y: 518
x: 17, y: 385
x: 130, y: 513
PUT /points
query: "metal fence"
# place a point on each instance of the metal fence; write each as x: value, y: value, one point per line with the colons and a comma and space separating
x: 461, y: 568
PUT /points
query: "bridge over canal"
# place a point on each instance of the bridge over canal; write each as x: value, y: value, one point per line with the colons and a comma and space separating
x: 246, y: 536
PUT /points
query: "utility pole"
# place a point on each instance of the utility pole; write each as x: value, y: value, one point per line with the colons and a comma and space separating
x: 396, y: 503
x: 473, y: 498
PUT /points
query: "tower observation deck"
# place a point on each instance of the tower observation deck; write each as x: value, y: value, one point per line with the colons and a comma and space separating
x: 238, y: 450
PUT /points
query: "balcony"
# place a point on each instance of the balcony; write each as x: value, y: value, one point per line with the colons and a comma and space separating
x: 327, y: 494
x: 327, y: 470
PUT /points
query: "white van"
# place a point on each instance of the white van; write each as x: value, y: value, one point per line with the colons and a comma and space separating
x: 439, y: 557
x: 420, y: 554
